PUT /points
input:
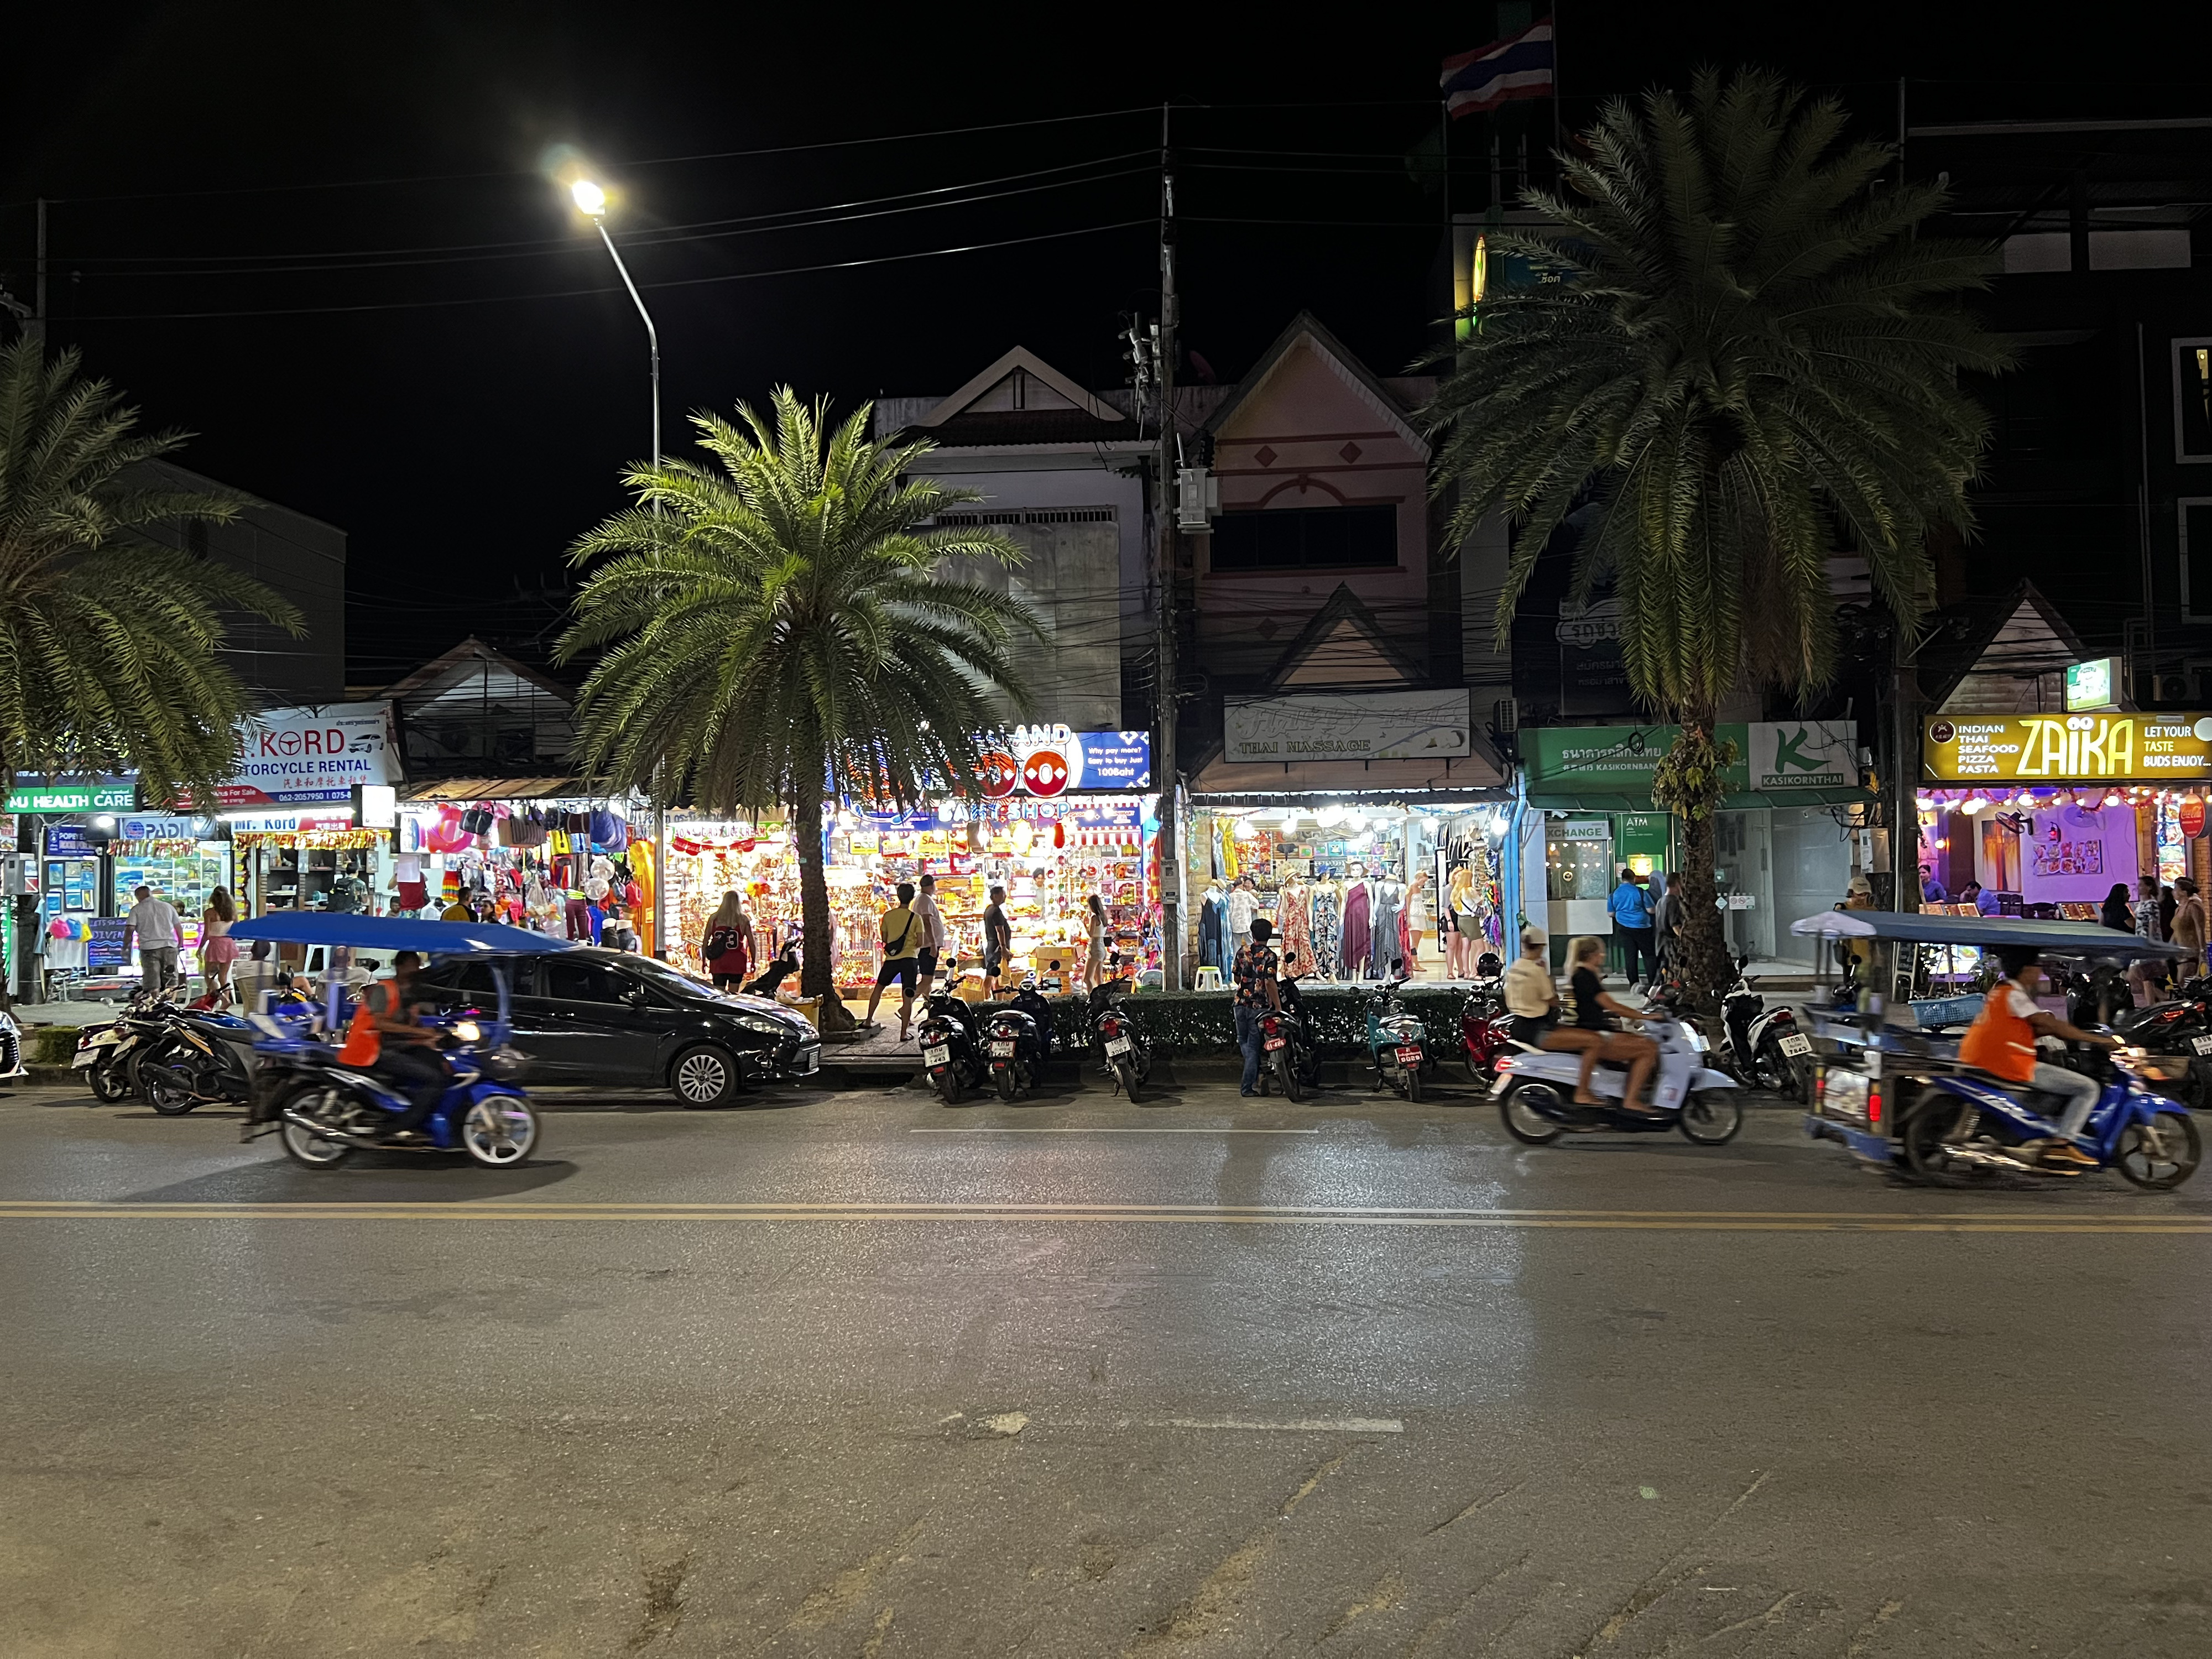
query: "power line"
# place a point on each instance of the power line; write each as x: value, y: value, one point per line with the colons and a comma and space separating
x: 580, y: 293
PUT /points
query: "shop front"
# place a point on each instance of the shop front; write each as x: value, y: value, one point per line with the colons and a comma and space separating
x: 569, y: 866
x: 1070, y: 814
x: 2044, y: 814
x: 1790, y: 834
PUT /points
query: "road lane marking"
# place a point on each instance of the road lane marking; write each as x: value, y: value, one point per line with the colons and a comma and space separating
x: 1140, y: 1214
x: 1295, y: 1426
x: 988, y: 1129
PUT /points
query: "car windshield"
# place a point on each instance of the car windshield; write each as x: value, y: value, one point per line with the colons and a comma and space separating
x: 672, y: 981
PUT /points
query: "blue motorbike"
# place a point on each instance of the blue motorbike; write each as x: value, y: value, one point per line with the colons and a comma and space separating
x: 1397, y: 1041
x: 323, y: 1110
x: 1964, y: 1126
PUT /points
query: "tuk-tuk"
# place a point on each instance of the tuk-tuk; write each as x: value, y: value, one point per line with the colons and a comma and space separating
x: 1888, y: 1083
x: 323, y: 1109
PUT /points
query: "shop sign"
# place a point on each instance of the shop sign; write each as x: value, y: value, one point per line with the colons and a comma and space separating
x: 1056, y: 760
x: 1771, y: 757
x: 1346, y: 726
x: 2069, y: 748
x: 287, y: 823
x: 105, y: 946
x: 1580, y: 829
x: 70, y: 840
x: 1804, y: 755
x: 160, y: 828
x: 2090, y: 684
x: 94, y: 796
x: 297, y: 756
x: 2191, y: 817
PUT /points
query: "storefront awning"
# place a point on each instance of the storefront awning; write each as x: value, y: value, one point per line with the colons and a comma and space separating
x: 476, y: 789
x: 1744, y: 801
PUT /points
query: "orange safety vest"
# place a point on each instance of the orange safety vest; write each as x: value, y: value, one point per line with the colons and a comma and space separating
x: 1999, y: 1040
x: 364, y: 1043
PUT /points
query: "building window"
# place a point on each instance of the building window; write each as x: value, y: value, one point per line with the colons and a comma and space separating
x: 1306, y: 538
x: 2195, y: 512
x: 2192, y: 406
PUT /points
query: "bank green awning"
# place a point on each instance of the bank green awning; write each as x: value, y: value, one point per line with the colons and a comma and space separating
x: 1753, y: 800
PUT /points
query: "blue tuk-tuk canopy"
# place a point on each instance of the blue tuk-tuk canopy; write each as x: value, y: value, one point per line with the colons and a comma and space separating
x: 445, y: 939
x: 2057, y: 938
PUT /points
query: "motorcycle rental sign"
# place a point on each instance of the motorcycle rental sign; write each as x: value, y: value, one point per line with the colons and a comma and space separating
x: 304, y: 757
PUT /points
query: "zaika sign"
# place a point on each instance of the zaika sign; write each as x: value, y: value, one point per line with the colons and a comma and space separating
x: 303, y: 757
x: 2067, y: 748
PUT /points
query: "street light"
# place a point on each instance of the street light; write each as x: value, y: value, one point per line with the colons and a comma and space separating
x: 591, y: 200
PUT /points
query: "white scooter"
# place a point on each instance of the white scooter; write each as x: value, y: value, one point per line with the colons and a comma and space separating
x: 1535, y: 1090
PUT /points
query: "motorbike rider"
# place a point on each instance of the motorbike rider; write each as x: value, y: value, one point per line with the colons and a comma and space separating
x: 1593, y: 1037
x: 2002, y: 1042
x: 1532, y: 995
x: 387, y: 1040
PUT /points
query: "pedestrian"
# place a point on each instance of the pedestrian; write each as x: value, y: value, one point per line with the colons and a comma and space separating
x: 901, y: 935
x: 1413, y: 921
x: 934, y: 944
x: 2115, y: 913
x: 778, y: 969
x: 1666, y: 922
x: 998, y: 940
x: 1858, y: 953
x: 1465, y: 924
x: 1257, y: 992
x: 2188, y: 930
x: 2148, y: 972
x: 153, y: 923
x: 1631, y: 908
x: 2166, y: 904
x: 218, y: 950
x: 1094, y: 924
x: 460, y: 909
x: 727, y: 951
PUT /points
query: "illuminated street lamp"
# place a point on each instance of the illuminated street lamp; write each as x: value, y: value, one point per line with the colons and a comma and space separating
x: 591, y: 200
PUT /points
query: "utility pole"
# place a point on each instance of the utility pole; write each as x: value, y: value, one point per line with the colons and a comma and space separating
x: 37, y: 330
x: 1164, y: 673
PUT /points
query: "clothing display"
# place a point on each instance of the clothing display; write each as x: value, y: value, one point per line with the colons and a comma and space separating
x: 1294, y: 923
x: 1243, y: 905
x: 1354, y: 937
x: 1324, y: 913
x: 1384, y: 903
x: 1213, y: 930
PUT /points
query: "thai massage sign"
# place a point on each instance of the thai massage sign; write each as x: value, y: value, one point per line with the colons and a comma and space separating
x: 2067, y: 748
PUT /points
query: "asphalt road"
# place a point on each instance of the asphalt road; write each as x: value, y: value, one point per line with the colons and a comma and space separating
x: 861, y: 1376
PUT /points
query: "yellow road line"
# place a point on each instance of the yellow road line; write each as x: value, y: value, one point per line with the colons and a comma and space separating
x: 1217, y: 1215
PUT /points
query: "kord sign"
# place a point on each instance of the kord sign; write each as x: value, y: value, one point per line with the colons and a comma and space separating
x: 305, y: 756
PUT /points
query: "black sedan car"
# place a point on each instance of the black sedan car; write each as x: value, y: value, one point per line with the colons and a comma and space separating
x: 622, y: 1021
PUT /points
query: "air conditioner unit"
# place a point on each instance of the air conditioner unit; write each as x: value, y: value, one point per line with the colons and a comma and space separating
x: 2173, y: 687
x: 1505, y: 716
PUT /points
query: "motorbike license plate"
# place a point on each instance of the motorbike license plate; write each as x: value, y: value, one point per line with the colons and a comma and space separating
x: 1118, y: 1046
x: 2202, y: 1045
x: 1002, y: 1051
x: 1276, y: 1042
x: 1409, y: 1058
x: 85, y: 1058
x: 938, y: 1056
x: 1797, y: 1046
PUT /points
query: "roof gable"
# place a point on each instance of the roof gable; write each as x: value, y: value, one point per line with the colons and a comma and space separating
x: 1020, y: 380
x: 1306, y: 340
x: 2003, y: 661
x: 1343, y: 645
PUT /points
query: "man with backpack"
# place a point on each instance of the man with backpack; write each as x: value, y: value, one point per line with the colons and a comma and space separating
x: 903, y: 935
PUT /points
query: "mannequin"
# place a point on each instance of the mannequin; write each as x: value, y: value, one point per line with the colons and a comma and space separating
x: 1213, y: 928
x: 1294, y: 926
x: 1327, y: 904
x: 1357, y: 937
x: 1385, y: 899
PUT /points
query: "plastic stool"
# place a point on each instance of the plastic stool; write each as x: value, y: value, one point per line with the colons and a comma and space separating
x: 1209, y: 979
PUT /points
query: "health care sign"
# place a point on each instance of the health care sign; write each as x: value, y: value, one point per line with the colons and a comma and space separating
x: 304, y: 757
x: 2067, y: 748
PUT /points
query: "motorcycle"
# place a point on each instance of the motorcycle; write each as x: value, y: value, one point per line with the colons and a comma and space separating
x: 1020, y: 1041
x: 1290, y: 1048
x: 2176, y: 1038
x: 106, y: 1053
x: 1122, y: 1046
x: 951, y: 1051
x: 1535, y: 1090
x: 196, y: 1058
x: 1762, y: 1047
x: 1397, y: 1041
x: 1964, y: 1126
x: 1485, y: 1031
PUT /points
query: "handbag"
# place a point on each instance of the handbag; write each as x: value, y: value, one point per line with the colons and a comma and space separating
x: 477, y: 821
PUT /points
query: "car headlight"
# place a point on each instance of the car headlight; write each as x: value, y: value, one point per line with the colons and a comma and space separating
x: 762, y: 1026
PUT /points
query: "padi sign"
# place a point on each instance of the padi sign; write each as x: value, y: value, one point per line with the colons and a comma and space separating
x: 1804, y: 755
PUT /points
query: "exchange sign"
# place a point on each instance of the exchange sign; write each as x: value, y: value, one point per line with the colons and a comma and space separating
x: 2067, y: 749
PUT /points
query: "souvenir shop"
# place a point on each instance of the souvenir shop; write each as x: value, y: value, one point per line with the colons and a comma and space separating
x: 306, y: 859
x: 1050, y: 855
x: 1353, y: 887
x: 570, y: 868
x: 92, y: 868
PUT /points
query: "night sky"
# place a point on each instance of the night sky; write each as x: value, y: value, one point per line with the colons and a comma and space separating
x: 442, y: 393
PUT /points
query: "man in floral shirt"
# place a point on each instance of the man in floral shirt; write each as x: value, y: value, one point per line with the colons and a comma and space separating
x: 1255, y: 992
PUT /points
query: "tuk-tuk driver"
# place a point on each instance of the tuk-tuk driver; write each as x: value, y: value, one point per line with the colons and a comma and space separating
x: 391, y: 1043
x: 2002, y: 1041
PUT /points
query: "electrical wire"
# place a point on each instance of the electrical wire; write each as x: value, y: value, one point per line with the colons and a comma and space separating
x: 579, y: 293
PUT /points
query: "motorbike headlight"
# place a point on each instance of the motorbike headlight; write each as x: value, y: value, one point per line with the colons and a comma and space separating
x: 467, y: 1030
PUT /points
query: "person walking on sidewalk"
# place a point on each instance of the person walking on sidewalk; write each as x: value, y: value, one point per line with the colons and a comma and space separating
x: 152, y: 922
x: 1632, y: 922
x: 934, y: 941
x: 903, y: 936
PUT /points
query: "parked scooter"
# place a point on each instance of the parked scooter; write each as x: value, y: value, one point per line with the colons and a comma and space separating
x: 952, y: 1047
x: 1535, y: 1090
x: 1021, y: 1041
x: 197, y: 1057
x: 106, y: 1055
x: 1120, y: 1041
x: 1290, y: 1048
x: 2176, y: 1037
x: 1762, y: 1047
x: 1397, y: 1041
x: 1486, y: 1029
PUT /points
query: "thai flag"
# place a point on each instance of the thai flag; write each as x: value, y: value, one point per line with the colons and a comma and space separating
x: 1505, y: 70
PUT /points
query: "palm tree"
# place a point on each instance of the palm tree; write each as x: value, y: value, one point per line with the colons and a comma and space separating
x: 109, y: 639
x: 1746, y: 358
x: 775, y: 623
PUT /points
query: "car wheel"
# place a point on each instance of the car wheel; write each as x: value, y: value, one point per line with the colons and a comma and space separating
x: 704, y: 1077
